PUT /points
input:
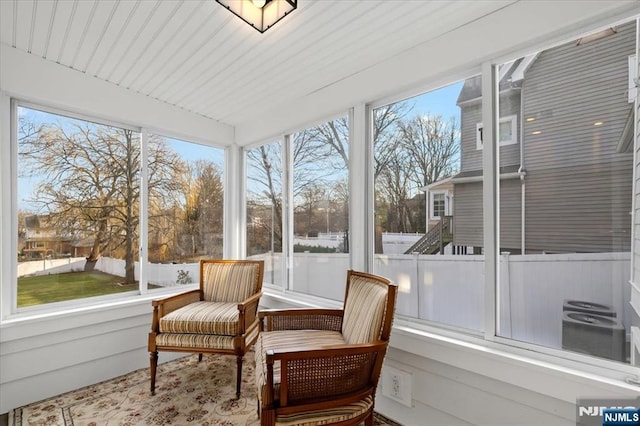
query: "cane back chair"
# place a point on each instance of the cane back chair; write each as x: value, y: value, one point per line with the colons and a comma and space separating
x: 322, y: 366
x: 220, y: 317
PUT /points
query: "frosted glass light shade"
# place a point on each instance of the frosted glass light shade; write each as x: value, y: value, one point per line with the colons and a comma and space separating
x: 260, y: 18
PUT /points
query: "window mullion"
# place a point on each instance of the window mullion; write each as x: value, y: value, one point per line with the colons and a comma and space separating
x: 144, y: 209
x: 8, y: 164
x: 287, y: 210
x: 490, y: 161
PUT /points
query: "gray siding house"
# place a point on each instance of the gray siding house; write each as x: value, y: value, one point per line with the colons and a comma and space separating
x: 566, y: 161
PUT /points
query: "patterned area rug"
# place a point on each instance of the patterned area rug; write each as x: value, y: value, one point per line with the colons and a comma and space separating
x: 187, y: 393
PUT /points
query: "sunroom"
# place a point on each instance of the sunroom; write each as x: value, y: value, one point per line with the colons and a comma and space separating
x: 479, y: 154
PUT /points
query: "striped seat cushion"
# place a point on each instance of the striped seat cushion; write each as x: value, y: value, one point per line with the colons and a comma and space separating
x: 328, y: 416
x: 230, y: 282
x: 195, y: 341
x: 202, y: 318
x: 299, y: 339
x: 207, y: 341
x: 364, y: 310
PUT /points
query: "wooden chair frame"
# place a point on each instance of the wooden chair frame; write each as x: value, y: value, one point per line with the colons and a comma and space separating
x: 247, y: 322
x: 362, y: 363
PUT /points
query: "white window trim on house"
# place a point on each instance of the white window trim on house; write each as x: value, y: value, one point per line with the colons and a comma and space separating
x: 633, y: 76
x: 447, y: 198
x: 513, y: 119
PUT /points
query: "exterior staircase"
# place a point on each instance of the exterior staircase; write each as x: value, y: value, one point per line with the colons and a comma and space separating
x: 434, y: 241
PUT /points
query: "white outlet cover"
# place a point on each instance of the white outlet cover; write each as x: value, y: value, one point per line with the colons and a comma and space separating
x: 396, y: 385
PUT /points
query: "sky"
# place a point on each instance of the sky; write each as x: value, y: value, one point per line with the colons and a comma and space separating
x: 187, y: 150
x: 441, y: 101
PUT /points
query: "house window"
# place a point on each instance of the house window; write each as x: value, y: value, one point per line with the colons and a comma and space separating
x: 438, y: 205
x: 508, y: 129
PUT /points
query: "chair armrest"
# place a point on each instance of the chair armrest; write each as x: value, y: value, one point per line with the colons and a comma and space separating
x: 248, y: 310
x: 162, y: 307
x: 313, y: 376
x: 301, y: 319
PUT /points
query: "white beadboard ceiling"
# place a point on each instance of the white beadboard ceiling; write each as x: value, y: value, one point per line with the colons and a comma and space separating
x: 197, y: 56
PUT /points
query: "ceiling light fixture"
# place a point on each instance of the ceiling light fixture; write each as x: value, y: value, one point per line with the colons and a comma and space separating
x: 260, y: 14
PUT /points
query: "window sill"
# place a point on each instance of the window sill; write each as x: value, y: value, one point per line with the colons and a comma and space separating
x: 297, y: 299
x: 65, y: 315
x: 548, y: 374
x: 561, y: 378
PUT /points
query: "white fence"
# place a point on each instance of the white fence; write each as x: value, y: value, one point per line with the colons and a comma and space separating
x: 161, y: 274
x: 450, y: 290
x: 51, y: 266
x: 445, y: 289
x: 398, y: 243
x: 534, y: 287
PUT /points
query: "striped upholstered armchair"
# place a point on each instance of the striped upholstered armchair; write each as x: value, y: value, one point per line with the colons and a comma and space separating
x: 220, y: 317
x: 321, y: 366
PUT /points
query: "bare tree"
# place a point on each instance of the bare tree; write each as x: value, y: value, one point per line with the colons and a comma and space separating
x: 394, y: 184
x: 386, y: 120
x: 411, y: 154
x: 265, y: 200
x: 89, y: 182
x: 202, y: 217
x: 434, y: 146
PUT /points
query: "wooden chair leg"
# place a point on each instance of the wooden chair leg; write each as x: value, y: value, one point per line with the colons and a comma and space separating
x: 268, y: 418
x: 153, y: 364
x: 238, y: 375
x: 369, y: 420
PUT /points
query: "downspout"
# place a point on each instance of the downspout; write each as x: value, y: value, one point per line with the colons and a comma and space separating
x: 427, y: 213
x: 521, y: 173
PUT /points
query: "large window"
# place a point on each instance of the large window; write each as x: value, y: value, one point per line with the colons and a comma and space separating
x: 424, y: 151
x: 186, y: 204
x: 78, y: 201
x: 565, y: 222
x: 80, y: 208
x: 320, y: 166
x: 264, y: 209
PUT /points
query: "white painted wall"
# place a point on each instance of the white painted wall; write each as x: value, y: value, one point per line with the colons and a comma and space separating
x: 46, y: 356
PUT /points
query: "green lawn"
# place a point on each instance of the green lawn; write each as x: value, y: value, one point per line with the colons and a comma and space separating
x: 72, y: 285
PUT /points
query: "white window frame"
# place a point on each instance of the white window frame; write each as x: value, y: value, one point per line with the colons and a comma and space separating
x: 432, y: 200
x: 513, y: 119
x: 8, y: 308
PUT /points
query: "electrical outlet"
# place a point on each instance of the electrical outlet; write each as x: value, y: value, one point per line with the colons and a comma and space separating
x: 396, y: 384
